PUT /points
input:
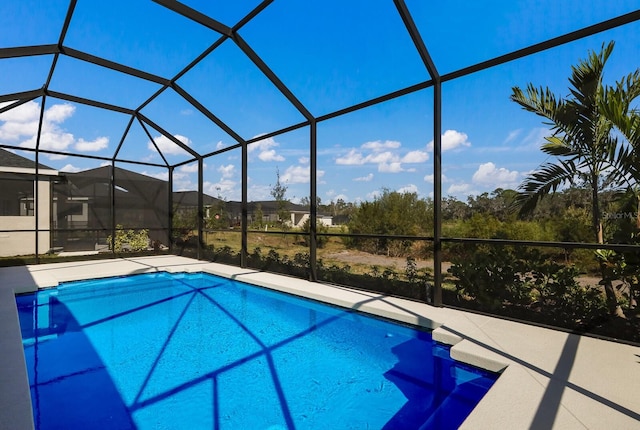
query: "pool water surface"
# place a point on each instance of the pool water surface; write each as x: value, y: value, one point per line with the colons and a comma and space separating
x: 197, y: 351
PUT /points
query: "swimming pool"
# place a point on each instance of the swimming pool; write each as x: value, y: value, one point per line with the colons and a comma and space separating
x: 197, y: 351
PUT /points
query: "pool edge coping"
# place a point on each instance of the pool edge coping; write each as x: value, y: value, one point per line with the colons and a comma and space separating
x: 534, y: 357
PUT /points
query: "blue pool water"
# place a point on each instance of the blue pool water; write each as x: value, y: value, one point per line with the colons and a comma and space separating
x: 196, y: 351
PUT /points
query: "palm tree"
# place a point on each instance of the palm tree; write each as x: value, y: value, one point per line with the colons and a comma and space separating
x: 618, y: 109
x: 581, y: 140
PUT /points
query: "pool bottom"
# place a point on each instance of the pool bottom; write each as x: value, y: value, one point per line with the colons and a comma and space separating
x: 199, y: 351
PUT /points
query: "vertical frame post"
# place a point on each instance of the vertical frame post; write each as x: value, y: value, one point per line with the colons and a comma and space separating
x: 200, y: 208
x: 244, y: 225
x: 436, y: 295
x: 112, y: 191
x: 170, y: 210
x: 313, y: 222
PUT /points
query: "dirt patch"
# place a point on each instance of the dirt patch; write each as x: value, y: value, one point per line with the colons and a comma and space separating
x: 353, y: 257
x: 359, y: 257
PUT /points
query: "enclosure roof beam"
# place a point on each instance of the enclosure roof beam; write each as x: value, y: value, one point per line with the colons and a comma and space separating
x: 196, y: 16
x: 251, y: 15
x: 89, y: 102
x: 416, y: 38
x: 15, y: 104
x: 123, y: 137
x: 22, y: 95
x: 28, y: 51
x: 255, y: 58
x: 168, y: 135
x: 74, y: 53
x: 547, y: 44
x: 153, y: 142
x: 195, y: 103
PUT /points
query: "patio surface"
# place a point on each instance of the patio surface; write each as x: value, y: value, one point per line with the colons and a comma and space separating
x: 550, y: 379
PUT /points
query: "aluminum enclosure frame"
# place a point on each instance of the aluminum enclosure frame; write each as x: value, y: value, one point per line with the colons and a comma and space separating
x: 232, y: 33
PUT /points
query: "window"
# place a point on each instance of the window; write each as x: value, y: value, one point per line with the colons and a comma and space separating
x: 16, y: 197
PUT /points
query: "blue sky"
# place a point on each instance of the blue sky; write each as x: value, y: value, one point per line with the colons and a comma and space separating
x: 331, y: 54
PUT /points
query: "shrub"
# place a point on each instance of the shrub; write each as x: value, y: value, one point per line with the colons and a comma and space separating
x: 129, y: 240
x: 321, y: 241
x: 505, y: 278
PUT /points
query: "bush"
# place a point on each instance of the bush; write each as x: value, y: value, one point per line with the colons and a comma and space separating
x: 492, y: 277
x: 321, y: 241
x: 129, y: 240
x: 503, y: 279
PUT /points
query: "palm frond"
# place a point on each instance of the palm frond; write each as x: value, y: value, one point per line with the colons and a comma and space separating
x: 542, y: 182
x: 557, y: 147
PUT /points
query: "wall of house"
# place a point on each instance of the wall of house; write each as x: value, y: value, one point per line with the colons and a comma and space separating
x: 298, y: 219
x: 14, y: 242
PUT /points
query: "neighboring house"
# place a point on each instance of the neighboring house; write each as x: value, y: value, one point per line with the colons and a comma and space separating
x: 84, y: 198
x: 74, y: 209
x: 18, y: 205
x: 187, y: 201
x: 298, y: 218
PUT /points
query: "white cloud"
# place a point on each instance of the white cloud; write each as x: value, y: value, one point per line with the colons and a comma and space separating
x: 59, y: 113
x: 182, y: 182
x: 513, y: 134
x: 415, y: 157
x: 91, y: 146
x: 333, y: 197
x: 227, y: 171
x: 270, y: 155
x: 378, y: 145
x: 225, y: 188
x: 299, y: 175
x: 381, y: 157
x: 393, y: 167
x: 303, y: 160
x: 451, y: 139
x: 221, y: 145
x: 384, y: 154
x: 353, y: 157
x: 367, y: 178
x: 189, y: 168
x: 265, y: 149
x: 167, y: 146
x: 534, y: 139
x: 257, y: 192
x: 489, y: 174
x: 373, y: 195
x: 55, y: 140
x: 430, y: 179
x: 70, y: 168
x: 26, y: 112
x: 19, y: 126
x: 455, y: 189
x: 411, y: 188
x: 386, y: 161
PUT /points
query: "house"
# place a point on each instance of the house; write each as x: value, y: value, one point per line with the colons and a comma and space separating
x: 74, y: 209
x: 18, y: 205
x: 231, y: 211
x: 82, y: 200
x: 186, y: 201
x: 298, y: 218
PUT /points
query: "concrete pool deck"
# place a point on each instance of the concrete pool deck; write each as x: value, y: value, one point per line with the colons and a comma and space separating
x: 550, y: 379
